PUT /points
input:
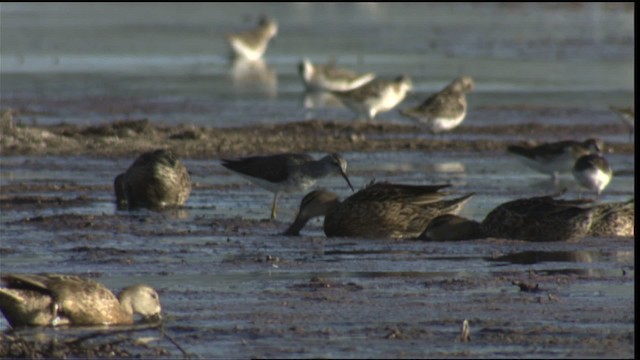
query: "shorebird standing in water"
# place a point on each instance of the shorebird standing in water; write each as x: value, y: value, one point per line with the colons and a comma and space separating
x: 593, y: 172
x: 52, y: 300
x: 330, y: 78
x: 628, y: 117
x: 444, y: 110
x: 557, y: 157
x: 381, y: 210
x: 287, y: 172
x: 252, y: 44
x: 375, y: 96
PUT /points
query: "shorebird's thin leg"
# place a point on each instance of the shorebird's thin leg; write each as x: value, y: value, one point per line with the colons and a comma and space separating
x: 55, y: 319
x: 273, y: 206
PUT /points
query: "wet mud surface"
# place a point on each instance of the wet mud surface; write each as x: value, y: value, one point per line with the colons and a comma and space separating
x: 232, y: 286
x: 132, y: 137
x: 76, y: 112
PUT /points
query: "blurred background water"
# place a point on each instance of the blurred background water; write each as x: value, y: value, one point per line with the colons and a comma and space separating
x: 169, y: 61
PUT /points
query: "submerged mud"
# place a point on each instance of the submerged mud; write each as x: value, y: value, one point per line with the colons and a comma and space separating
x: 232, y: 286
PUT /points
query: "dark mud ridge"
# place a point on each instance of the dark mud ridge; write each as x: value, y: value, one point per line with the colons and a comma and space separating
x: 129, y: 138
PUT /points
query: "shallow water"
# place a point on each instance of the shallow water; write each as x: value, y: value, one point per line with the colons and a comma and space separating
x: 231, y: 286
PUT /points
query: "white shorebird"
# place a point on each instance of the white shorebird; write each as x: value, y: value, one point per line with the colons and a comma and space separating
x: 376, y: 96
x: 557, y: 157
x: 444, y: 110
x: 330, y: 77
x: 252, y: 44
x: 593, y: 172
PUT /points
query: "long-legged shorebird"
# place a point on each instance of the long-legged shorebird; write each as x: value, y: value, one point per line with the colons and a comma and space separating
x: 252, y: 44
x: 444, y: 110
x: 156, y: 180
x: 51, y: 300
x: 592, y: 172
x: 330, y: 77
x: 627, y: 116
x: 542, y: 218
x: 557, y: 157
x: 376, y: 96
x: 381, y: 210
x: 286, y: 173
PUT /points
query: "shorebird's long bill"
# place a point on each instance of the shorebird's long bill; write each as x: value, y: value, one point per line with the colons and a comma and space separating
x: 344, y: 175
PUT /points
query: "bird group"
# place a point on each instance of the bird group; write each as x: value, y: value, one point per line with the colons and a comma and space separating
x: 159, y: 180
x: 365, y: 94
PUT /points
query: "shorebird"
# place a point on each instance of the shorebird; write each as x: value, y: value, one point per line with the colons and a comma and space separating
x: 449, y: 227
x: 375, y: 96
x: 252, y: 44
x: 330, y: 77
x: 614, y: 219
x: 542, y: 218
x: 44, y: 300
x: 628, y: 117
x: 381, y: 210
x: 557, y: 157
x: 156, y: 180
x: 287, y: 172
x: 444, y: 110
x: 592, y: 172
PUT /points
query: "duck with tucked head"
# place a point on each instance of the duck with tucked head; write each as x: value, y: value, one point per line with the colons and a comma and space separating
x: 52, y: 300
x: 381, y: 210
x: 156, y: 180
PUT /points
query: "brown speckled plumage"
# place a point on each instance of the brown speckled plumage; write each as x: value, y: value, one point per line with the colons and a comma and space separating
x: 539, y: 219
x: 381, y: 210
x: 614, y: 219
x: 449, y: 227
x: 43, y: 300
x: 156, y: 180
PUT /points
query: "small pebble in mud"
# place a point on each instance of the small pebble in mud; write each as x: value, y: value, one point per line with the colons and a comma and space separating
x: 394, y: 334
x: 526, y: 287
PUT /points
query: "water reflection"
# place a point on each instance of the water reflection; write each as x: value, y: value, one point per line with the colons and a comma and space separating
x: 253, y: 77
x: 536, y: 257
x: 447, y: 167
x: 320, y: 100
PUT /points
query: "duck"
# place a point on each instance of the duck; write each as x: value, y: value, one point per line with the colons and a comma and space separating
x: 55, y: 300
x: 156, y: 180
x: 380, y: 210
x: 539, y: 219
x: 614, y: 219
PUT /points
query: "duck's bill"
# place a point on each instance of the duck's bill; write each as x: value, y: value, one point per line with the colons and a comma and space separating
x: 152, y: 318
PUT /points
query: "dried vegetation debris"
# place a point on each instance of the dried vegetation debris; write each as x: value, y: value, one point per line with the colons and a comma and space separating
x: 132, y: 137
